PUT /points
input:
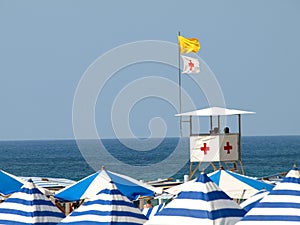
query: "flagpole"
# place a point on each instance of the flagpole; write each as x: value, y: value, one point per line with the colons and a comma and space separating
x: 179, y: 83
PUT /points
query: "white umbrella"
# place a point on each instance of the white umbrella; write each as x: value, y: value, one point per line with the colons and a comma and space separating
x: 238, y: 186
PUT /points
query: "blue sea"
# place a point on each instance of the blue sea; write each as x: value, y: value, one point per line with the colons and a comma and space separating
x: 262, y: 156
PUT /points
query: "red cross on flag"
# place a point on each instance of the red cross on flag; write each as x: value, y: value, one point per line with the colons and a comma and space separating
x: 190, y: 65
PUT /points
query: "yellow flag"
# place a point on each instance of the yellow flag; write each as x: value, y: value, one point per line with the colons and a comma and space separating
x: 188, y: 45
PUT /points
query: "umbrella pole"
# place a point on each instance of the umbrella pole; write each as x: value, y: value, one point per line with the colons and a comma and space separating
x: 59, y: 206
x: 213, y: 166
x: 242, y: 167
x: 68, y: 208
x: 193, y: 171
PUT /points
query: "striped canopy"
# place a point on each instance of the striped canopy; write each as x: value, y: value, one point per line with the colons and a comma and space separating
x: 108, y: 207
x: 9, y: 183
x: 253, y: 200
x: 29, y: 206
x: 202, y: 202
x: 90, y: 186
x: 48, y: 182
x: 280, y: 206
x: 238, y: 186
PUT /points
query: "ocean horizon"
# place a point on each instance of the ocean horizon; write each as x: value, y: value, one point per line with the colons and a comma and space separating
x: 61, y: 158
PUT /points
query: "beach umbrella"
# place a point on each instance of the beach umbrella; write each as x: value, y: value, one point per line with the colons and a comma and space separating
x: 253, y: 200
x: 238, y: 186
x: 108, y: 207
x: 150, y: 212
x: 235, y: 185
x: 9, y: 183
x: 280, y: 206
x: 29, y: 206
x: 202, y: 202
x: 89, y: 186
x: 48, y: 182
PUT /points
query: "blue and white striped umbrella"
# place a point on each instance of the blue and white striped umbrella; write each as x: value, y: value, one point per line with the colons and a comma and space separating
x: 202, y: 202
x: 91, y: 185
x: 281, y: 206
x: 150, y: 212
x: 51, y: 183
x: 108, y: 207
x: 238, y: 186
x: 29, y: 206
x: 9, y: 183
x: 253, y: 200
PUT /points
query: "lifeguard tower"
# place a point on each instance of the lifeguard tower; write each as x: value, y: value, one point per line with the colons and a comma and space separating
x: 218, y: 147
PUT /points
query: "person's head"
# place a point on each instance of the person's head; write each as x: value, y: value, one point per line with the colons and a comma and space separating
x: 226, y: 130
x: 216, y: 130
x: 148, y: 201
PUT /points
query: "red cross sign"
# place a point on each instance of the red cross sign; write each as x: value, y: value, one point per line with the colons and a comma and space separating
x: 204, y: 148
x: 228, y: 147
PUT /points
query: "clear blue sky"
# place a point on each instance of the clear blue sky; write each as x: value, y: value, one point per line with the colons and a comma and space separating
x: 252, y: 47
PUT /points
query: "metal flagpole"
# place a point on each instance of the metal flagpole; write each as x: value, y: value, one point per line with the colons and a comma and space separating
x: 179, y: 83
